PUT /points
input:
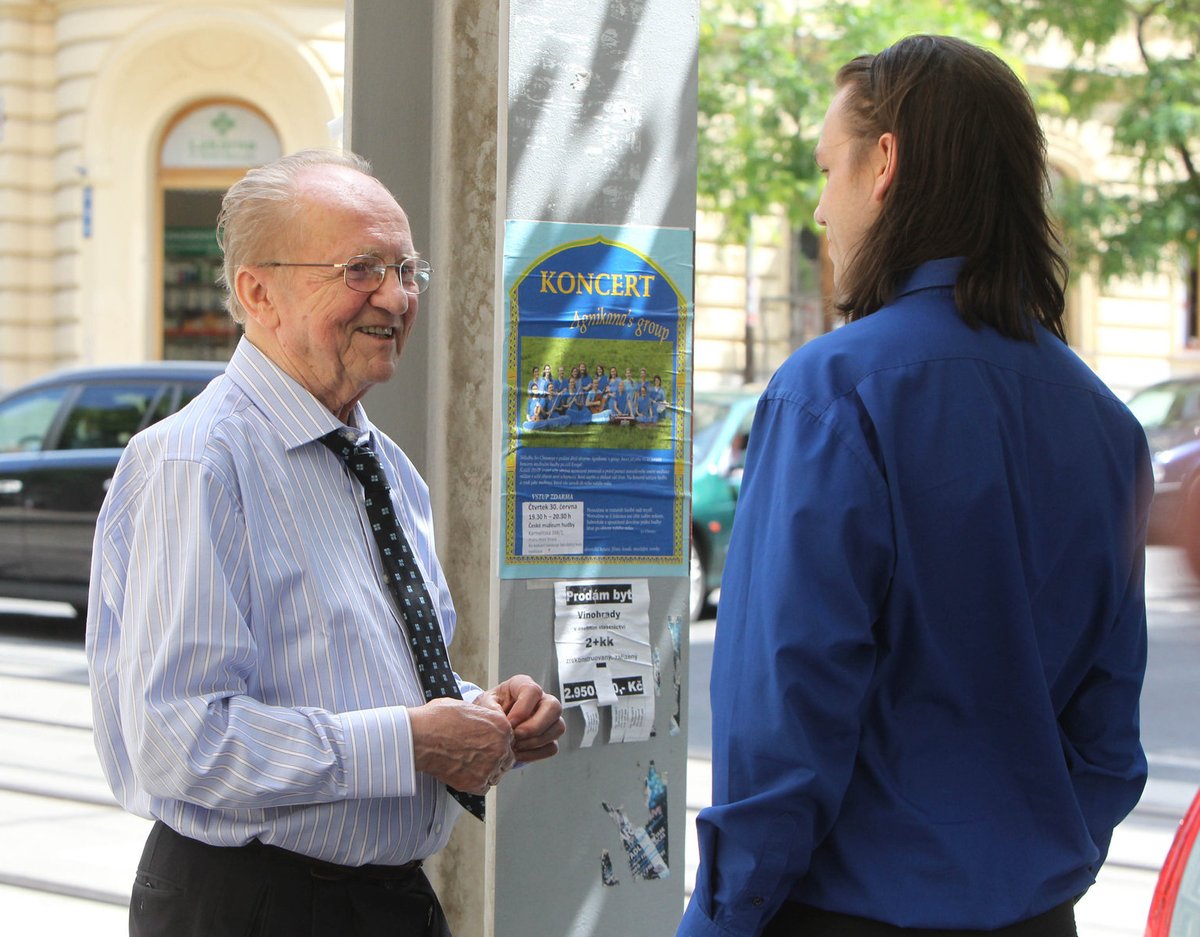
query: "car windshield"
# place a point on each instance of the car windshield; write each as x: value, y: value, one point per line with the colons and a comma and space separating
x: 707, y: 417
x: 25, y: 420
x: 106, y: 416
x: 1167, y: 404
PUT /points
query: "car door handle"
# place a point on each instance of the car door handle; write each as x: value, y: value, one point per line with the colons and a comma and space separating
x: 11, y: 486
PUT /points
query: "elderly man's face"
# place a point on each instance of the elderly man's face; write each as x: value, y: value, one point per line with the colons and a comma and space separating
x: 336, y: 341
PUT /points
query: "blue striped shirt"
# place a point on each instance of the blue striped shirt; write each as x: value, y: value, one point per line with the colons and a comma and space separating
x: 249, y: 674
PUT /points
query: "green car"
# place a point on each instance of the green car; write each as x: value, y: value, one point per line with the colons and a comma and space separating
x: 720, y: 432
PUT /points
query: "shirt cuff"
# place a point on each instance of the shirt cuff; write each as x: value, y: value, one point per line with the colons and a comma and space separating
x: 378, y: 753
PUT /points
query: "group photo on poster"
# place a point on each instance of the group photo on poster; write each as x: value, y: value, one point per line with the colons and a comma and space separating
x: 596, y: 398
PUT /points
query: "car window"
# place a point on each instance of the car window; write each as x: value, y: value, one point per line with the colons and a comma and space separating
x: 26, y: 420
x: 741, y: 439
x: 188, y: 393
x: 1189, y: 412
x: 162, y: 407
x: 706, y: 412
x: 1157, y: 406
x: 105, y: 416
x: 707, y: 417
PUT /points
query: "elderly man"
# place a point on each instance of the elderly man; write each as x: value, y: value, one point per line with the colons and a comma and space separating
x: 268, y: 620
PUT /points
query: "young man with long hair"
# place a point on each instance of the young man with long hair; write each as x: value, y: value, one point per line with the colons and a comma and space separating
x: 931, y: 637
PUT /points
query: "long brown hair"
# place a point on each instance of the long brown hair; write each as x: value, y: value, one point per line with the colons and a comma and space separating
x: 970, y: 181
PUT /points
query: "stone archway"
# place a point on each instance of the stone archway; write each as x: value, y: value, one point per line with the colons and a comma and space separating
x: 167, y: 64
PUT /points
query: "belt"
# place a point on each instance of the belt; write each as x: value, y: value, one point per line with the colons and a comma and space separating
x: 331, y: 871
x: 794, y: 918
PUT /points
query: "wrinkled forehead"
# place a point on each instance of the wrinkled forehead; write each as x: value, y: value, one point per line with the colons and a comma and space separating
x: 340, y: 206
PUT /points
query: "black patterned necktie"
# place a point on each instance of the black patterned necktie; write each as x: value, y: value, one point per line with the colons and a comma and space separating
x: 405, y: 582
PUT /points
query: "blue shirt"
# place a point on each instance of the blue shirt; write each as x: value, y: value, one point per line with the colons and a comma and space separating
x: 249, y: 674
x: 931, y: 636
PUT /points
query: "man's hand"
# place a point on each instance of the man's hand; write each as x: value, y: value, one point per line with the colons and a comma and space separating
x: 466, y: 745
x: 535, y: 716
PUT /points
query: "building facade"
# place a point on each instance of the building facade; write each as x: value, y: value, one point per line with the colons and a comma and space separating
x: 121, y: 123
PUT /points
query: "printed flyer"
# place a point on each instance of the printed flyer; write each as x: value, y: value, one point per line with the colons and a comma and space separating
x: 597, y: 428
x: 602, y: 639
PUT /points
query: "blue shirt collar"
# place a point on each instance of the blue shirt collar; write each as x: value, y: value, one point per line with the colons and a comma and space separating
x: 931, y: 275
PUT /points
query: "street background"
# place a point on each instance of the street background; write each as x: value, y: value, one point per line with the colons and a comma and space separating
x: 69, y: 852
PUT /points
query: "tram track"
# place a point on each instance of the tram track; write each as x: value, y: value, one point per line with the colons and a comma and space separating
x: 45, y: 722
x: 64, y: 834
x: 65, y: 889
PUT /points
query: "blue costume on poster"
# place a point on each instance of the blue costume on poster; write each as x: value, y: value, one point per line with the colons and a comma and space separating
x: 597, y: 427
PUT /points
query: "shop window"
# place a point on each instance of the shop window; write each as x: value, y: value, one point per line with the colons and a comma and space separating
x: 195, y: 323
x: 206, y: 149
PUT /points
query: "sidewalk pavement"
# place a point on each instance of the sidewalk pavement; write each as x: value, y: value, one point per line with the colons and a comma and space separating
x: 69, y: 851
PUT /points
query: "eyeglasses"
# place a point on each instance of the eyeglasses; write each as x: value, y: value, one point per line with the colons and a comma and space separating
x: 365, y: 273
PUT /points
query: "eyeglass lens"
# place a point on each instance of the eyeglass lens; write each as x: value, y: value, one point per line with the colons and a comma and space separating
x: 366, y: 274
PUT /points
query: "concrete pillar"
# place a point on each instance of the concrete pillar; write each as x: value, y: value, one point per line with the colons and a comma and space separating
x: 475, y: 112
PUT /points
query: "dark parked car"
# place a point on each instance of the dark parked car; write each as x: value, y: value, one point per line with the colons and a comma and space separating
x: 1170, y: 414
x: 60, y: 439
x: 720, y: 433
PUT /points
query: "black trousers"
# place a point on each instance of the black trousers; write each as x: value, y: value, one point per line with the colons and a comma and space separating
x: 795, y: 920
x: 186, y: 888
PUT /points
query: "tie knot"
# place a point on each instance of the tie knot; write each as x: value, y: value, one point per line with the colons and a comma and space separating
x: 360, y: 460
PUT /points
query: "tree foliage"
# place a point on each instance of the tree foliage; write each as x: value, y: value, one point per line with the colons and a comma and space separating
x: 766, y: 77
x: 1131, y: 65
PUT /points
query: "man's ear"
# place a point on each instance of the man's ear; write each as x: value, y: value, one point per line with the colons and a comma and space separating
x: 885, y: 165
x: 254, y: 294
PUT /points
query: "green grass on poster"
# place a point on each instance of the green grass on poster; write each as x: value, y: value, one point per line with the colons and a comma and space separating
x: 655, y: 357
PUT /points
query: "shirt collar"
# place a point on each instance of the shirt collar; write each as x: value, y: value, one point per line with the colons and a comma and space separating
x: 932, y: 275
x: 294, y: 413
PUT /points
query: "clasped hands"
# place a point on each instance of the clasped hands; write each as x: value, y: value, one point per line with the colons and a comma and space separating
x: 471, y: 745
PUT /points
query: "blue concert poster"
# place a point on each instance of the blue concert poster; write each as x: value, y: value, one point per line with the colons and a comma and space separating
x: 597, y: 428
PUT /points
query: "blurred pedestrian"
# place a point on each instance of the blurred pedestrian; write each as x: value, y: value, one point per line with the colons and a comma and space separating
x: 931, y: 636
x: 268, y: 618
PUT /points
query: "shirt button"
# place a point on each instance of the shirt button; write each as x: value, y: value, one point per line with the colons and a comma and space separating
x: 437, y: 828
x: 757, y: 901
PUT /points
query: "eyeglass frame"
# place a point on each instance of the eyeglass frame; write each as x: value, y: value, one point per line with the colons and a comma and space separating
x: 419, y: 264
